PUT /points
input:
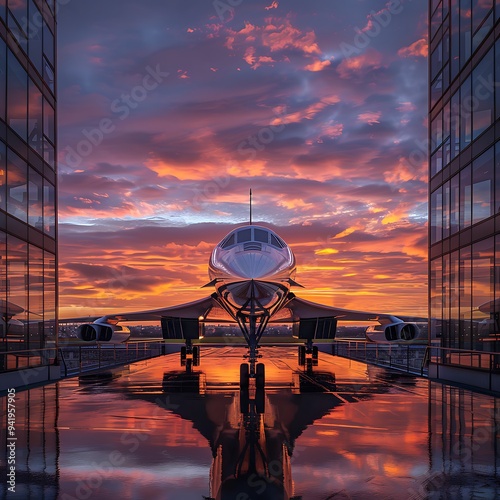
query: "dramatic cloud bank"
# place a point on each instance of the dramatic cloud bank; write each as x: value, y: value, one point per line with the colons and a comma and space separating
x: 170, y: 111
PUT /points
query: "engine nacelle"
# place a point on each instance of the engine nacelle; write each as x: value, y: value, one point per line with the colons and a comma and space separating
x: 393, y: 332
x: 103, y: 332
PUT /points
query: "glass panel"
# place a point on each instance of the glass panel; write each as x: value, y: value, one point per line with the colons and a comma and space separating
x: 3, y: 176
x: 437, y: 131
x: 35, y: 137
x: 436, y: 297
x: 17, y: 96
x: 437, y: 161
x: 483, y: 87
x: 35, y: 197
x: 454, y: 204
x: 275, y: 241
x: 48, y: 75
x: 49, y: 209
x: 436, y: 89
x: 49, y: 296
x: 454, y: 301
x: 35, y: 293
x: 48, y: 122
x: 229, y: 241
x: 437, y: 60
x: 19, y: 9
x: 482, y: 32
x: 446, y: 209
x: 35, y: 36
x: 437, y: 215
x: 48, y: 44
x: 465, y: 298
x: 465, y: 31
x: 466, y: 114
x: 3, y: 294
x: 482, y: 190
x: 3, y: 10
x: 260, y: 235
x: 436, y: 20
x: 497, y: 77
x: 17, y: 293
x: 446, y: 295
x: 244, y: 235
x: 17, y: 194
x: 455, y: 39
x: 3, y: 79
x: 455, y: 125
x: 465, y: 197
x: 480, y: 8
x: 16, y: 28
x: 446, y: 134
x: 482, y: 289
x: 497, y: 178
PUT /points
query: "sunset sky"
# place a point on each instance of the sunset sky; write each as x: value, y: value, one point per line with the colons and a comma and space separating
x: 170, y: 111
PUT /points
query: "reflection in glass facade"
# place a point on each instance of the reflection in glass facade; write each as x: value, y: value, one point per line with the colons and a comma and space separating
x: 464, y: 130
x: 28, y: 180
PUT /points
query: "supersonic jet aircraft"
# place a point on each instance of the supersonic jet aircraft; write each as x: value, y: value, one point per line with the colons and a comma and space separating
x: 252, y: 270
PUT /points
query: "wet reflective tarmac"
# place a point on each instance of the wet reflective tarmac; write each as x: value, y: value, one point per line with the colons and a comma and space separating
x: 344, y: 430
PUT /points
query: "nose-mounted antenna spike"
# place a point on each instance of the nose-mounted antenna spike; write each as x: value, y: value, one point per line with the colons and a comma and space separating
x: 250, y: 206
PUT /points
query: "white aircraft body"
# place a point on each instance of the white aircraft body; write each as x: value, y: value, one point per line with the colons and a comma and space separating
x: 252, y: 270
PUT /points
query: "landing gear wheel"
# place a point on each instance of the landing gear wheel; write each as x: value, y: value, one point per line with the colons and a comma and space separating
x: 183, y: 355
x: 315, y: 355
x: 302, y: 355
x: 189, y: 365
x: 244, y: 401
x: 309, y: 365
x: 244, y: 376
x: 260, y: 376
x: 196, y: 355
x: 260, y: 401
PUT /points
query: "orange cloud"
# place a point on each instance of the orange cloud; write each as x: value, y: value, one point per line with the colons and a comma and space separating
x: 363, y: 63
x: 371, y: 117
x: 420, y: 48
x: 318, y: 65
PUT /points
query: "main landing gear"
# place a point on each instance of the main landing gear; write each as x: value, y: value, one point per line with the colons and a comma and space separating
x: 259, y: 375
x: 308, y: 355
x: 190, y: 355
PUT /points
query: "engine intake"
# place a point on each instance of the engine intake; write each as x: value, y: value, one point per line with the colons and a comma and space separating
x: 99, y: 332
x: 393, y: 332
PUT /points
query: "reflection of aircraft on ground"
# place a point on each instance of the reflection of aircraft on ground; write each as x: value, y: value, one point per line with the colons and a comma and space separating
x: 252, y: 270
x: 252, y: 439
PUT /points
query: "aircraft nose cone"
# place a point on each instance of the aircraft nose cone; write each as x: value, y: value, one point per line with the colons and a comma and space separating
x: 254, y: 265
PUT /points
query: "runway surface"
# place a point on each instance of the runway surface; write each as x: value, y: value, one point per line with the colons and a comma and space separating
x: 345, y: 430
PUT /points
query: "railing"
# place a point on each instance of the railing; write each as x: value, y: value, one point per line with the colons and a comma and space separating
x: 478, y: 360
x: 76, y: 360
x: 23, y: 359
x: 408, y: 358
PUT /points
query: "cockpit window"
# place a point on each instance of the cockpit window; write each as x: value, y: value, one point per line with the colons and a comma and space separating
x: 228, y: 241
x: 244, y: 235
x: 260, y: 235
x: 276, y: 241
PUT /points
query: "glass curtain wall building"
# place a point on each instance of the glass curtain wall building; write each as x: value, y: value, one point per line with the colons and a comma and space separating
x: 464, y: 214
x: 28, y: 180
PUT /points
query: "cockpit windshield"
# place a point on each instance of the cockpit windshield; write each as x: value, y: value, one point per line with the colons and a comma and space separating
x: 247, y: 234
